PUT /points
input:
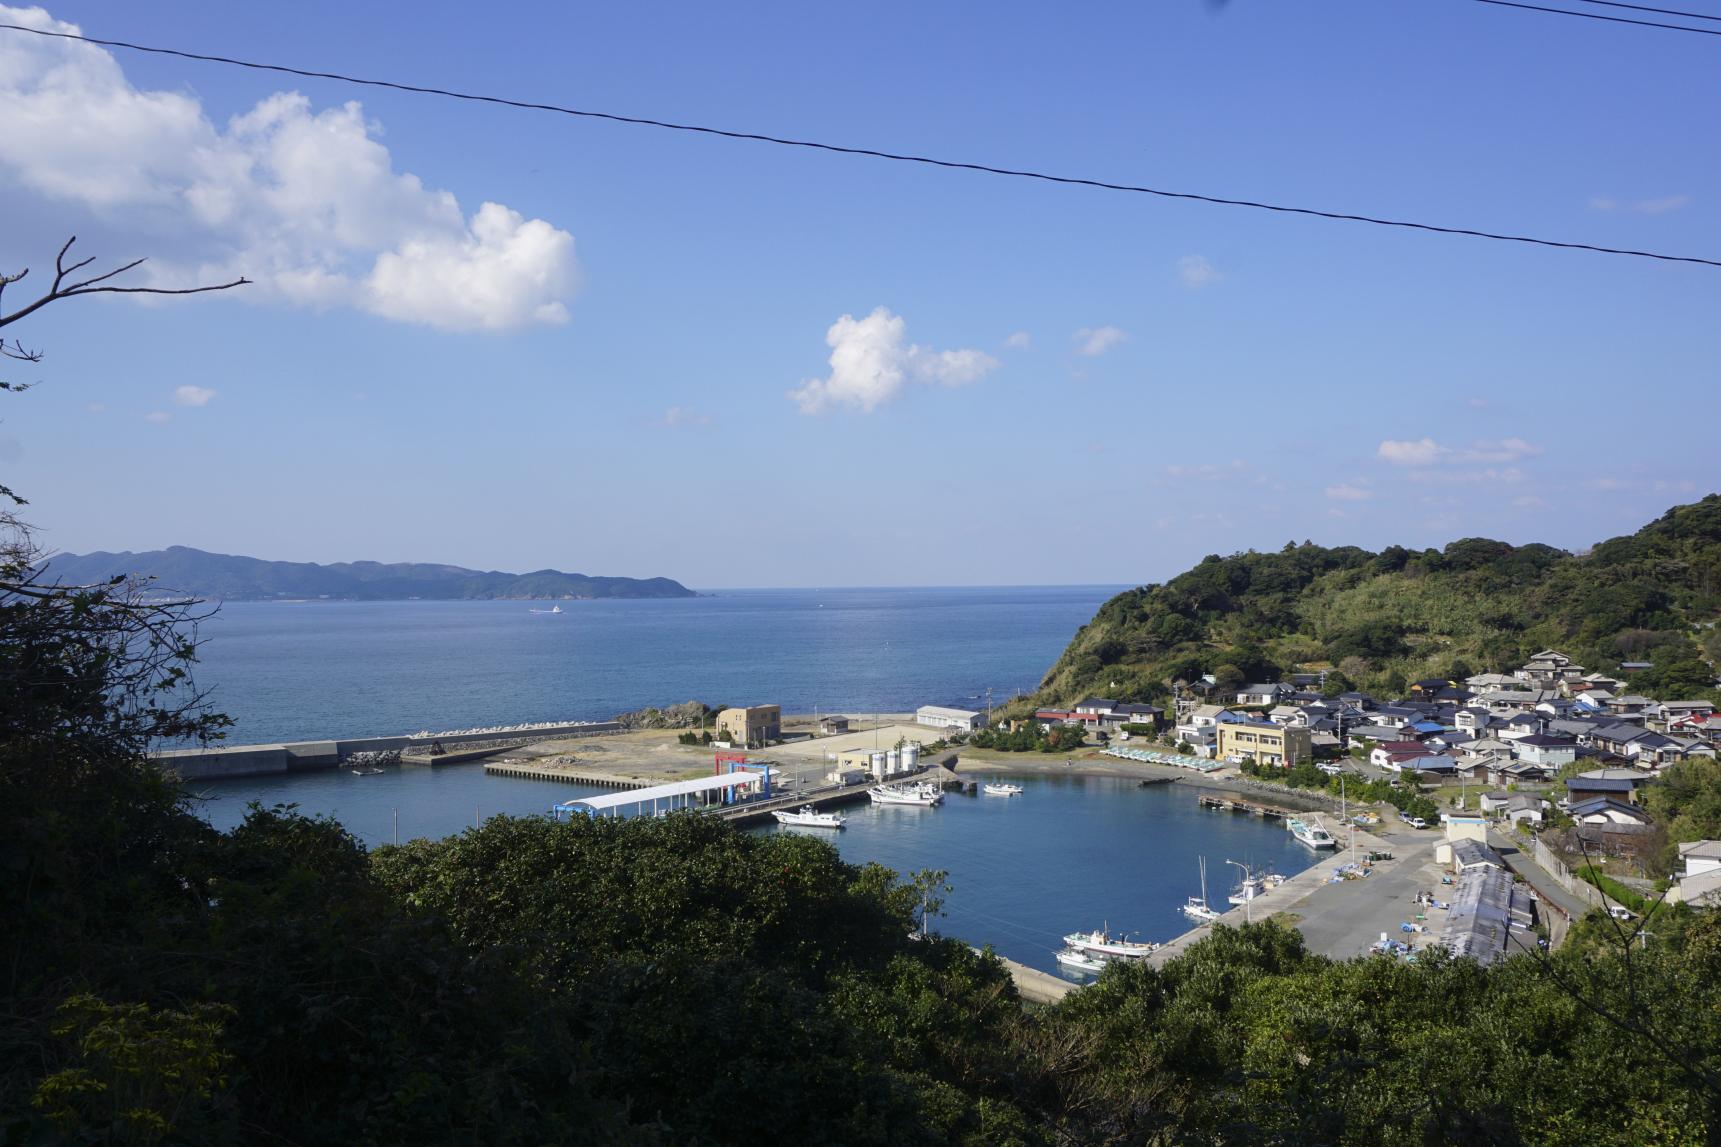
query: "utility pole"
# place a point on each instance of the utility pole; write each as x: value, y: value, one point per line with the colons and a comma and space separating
x: 1344, y: 815
x: 397, y: 826
x: 988, y: 706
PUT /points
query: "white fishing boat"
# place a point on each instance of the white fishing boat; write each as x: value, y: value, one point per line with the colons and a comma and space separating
x: 1077, y: 960
x: 552, y: 609
x: 1311, y: 832
x: 1103, y: 945
x: 1249, y: 888
x: 1001, y: 789
x: 809, y: 817
x: 1196, y: 906
x: 922, y: 795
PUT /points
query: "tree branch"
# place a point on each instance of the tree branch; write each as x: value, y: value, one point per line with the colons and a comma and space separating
x: 61, y: 290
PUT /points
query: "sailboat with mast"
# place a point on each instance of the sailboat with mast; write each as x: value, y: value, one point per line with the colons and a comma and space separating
x: 1196, y: 906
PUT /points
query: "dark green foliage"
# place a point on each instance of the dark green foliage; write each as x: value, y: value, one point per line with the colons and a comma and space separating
x: 1404, y: 615
x: 1030, y: 737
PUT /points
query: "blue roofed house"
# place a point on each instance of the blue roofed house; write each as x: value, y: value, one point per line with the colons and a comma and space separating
x: 1604, y: 811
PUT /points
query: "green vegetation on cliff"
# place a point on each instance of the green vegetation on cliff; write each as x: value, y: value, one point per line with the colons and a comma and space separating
x: 1400, y: 615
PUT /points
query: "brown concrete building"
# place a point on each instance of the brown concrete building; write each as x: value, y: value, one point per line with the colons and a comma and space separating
x: 1264, y: 743
x: 753, y: 725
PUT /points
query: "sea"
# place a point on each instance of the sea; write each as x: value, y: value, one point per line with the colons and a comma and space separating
x: 1071, y: 853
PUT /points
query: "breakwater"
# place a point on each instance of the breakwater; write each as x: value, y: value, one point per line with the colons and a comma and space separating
x: 218, y: 762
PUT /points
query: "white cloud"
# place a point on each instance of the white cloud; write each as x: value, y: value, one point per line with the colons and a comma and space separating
x: 1419, y: 453
x: 685, y: 416
x: 307, y: 203
x: 95, y: 407
x: 1427, y: 452
x: 157, y: 416
x: 1658, y: 206
x: 1021, y: 340
x: 192, y: 395
x: 1349, y: 492
x: 1196, y: 272
x: 1097, y: 340
x: 872, y: 360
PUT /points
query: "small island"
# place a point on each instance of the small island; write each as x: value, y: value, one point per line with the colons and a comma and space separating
x: 181, y: 570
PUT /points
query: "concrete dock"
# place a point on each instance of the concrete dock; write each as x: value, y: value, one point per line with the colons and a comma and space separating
x: 219, y: 761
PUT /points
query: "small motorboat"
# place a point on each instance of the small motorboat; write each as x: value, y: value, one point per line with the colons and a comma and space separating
x: 1002, y: 789
x: 809, y: 817
x: 552, y: 609
x: 1079, y: 961
x: 1311, y: 832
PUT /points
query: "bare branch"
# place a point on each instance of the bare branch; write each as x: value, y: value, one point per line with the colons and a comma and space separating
x: 76, y: 287
x: 60, y: 289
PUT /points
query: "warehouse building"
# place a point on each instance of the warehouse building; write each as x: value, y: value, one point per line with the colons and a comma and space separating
x: 939, y: 717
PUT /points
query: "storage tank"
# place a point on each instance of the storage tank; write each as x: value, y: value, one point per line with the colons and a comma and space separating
x: 878, y: 766
x: 910, y: 758
x: 893, y: 762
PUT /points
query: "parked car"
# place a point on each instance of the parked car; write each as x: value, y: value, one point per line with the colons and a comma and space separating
x: 1417, y: 822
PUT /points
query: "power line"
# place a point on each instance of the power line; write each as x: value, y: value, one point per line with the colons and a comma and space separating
x: 871, y: 153
x: 1644, y: 8
x: 1599, y: 16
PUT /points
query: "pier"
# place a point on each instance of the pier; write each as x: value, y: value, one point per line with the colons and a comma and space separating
x: 1230, y: 802
x: 565, y: 771
x: 294, y: 756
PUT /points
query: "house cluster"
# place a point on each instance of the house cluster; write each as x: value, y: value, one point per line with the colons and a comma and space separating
x: 1491, y: 728
x: 1101, y: 715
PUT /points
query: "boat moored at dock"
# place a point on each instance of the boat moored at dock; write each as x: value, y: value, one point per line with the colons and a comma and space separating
x: 1196, y: 907
x: 1002, y: 789
x: 1101, y: 944
x: 809, y: 817
x: 1079, y: 961
x: 922, y: 794
x: 1311, y: 832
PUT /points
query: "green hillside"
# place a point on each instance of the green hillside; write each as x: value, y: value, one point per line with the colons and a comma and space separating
x: 1399, y: 615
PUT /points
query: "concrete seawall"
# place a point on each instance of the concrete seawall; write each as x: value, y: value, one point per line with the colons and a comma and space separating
x: 296, y: 756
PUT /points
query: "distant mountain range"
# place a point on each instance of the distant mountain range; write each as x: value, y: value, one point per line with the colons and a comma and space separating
x: 228, y: 577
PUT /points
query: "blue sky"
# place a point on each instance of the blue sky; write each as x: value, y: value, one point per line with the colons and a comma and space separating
x: 609, y: 372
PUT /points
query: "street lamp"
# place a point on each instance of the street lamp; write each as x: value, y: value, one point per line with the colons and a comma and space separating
x: 1248, y: 900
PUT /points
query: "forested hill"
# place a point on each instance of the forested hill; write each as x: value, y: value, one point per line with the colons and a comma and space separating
x: 226, y: 577
x: 1401, y: 615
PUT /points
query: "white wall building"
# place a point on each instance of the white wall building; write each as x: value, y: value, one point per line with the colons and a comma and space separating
x: 939, y: 717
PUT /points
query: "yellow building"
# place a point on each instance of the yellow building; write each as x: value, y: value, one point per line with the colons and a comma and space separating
x: 1264, y: 743
x: 754, y: 725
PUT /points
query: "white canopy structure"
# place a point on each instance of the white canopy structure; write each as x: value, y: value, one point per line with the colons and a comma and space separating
x: 667, y: 798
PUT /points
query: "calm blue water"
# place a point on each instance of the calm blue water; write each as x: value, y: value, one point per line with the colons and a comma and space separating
x: 1070, y: 853
x: 288, y: 672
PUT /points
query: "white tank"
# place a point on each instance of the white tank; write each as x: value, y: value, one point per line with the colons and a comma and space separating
x: 910, y: 758
x: 878, y: 766
x: 893, y: 762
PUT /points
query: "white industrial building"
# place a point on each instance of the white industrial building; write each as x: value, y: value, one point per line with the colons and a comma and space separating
x: 939, y: 717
